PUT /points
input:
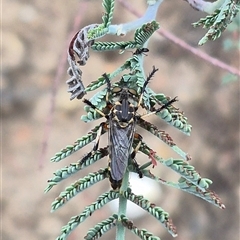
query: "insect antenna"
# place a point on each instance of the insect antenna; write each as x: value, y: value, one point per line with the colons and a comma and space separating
x: 145, y: 85
x: 108, y: 87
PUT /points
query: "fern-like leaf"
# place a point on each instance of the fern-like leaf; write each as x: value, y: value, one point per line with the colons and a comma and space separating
x: 88, y: 211
x: 181, y: 167
x: 154, y: 210
x: 79, y: 143
x: 78, y: 187
x: 187, y: 186
x: 107, y: 17
x: 145, y: 32
x: 73, y: 168
x: 98, y: 230
x: 141, y: 233
x: 219, y: 20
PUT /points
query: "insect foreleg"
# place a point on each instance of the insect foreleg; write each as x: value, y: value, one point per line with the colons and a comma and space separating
x: 161, y: 108
x: 94, y: 107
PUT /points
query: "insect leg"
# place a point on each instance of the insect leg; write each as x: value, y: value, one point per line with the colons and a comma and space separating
x: 166, y: 105
x: 109, y: 104
x: 101, y: 130
x: 161, y: 108
x: 134, y: 152
x: 103, y: 126
x: 95, y: 108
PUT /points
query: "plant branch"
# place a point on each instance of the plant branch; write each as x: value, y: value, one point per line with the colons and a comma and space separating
x: 149, y: 16
x: 207, y: 7
x: 214, y: 61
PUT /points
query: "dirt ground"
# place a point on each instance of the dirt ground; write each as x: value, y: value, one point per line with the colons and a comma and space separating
x: 35, y: 39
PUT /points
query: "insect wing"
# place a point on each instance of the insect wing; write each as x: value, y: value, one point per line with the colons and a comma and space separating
x: 121, y: 139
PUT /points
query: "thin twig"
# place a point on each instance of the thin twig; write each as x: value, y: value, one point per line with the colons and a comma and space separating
x: 214, y: 61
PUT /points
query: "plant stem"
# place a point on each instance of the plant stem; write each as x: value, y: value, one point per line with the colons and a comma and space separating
x: 120, y: 233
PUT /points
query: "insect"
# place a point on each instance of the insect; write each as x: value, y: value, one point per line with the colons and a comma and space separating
x: 121, y: 124
x: 141, y: 51
x: 121, y: 128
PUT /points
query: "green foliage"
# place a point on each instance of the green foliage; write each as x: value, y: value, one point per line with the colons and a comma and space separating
x: 218, y: 21
x: 133, y: 78
x: 98, y: 230
x: 78, y: 187
x: 152, y: 209
x: 109, y: 7
x: 141, y: 36
x: 87, y: 212
x: 141, y: 233
x: 79, y: 143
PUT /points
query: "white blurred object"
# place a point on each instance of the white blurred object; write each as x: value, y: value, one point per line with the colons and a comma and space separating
x: 146, y: 187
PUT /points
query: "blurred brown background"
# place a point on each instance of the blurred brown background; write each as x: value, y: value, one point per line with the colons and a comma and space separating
x: 35, y: 37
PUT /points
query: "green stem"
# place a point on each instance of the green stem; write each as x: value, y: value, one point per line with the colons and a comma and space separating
x: 122, y: 209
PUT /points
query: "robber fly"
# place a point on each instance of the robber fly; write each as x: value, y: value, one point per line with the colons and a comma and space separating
x: 121, y: 123
x: 121, y: 131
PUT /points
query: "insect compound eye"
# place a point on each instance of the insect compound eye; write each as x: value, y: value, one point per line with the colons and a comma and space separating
x: 132, y: 91
x: 117, y: 89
